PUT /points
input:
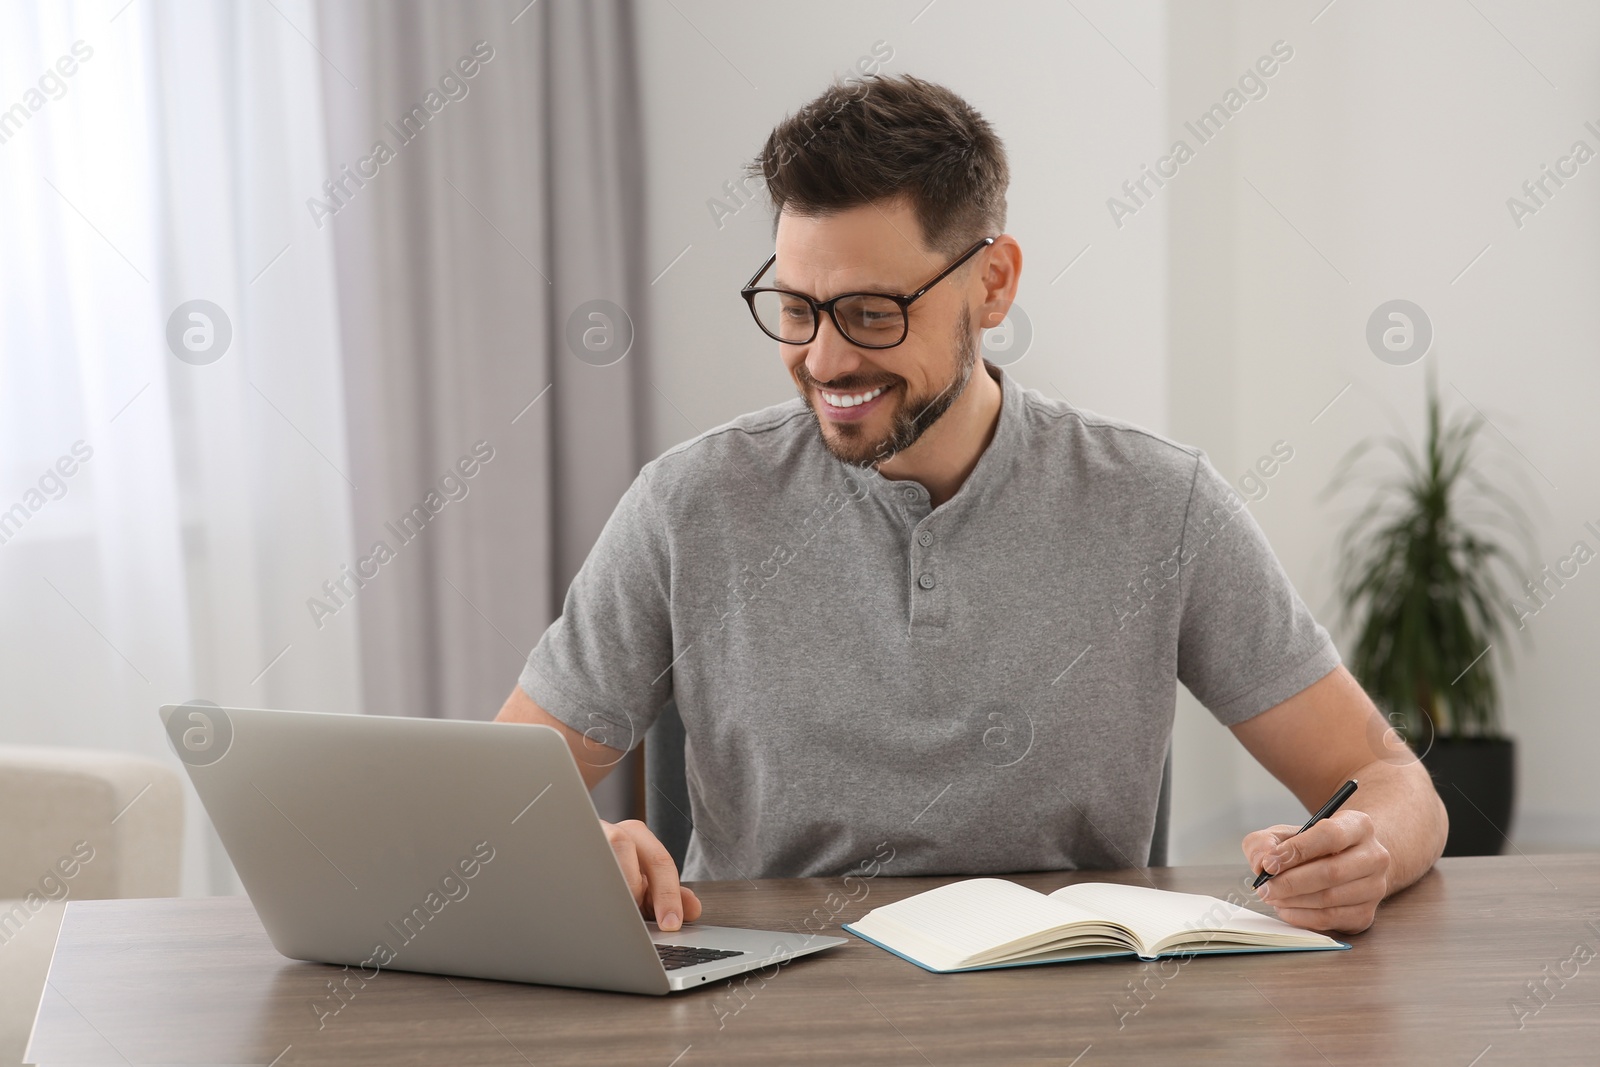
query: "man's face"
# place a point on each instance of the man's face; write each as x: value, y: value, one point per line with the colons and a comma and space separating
x: 876, y: 248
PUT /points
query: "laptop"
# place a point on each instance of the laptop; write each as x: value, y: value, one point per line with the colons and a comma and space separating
x: 440, y: 846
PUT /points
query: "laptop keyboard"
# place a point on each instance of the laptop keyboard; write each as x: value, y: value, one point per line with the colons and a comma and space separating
x: 676, y: 956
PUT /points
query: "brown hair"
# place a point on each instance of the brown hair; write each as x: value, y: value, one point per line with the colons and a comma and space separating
x: 880, y: 138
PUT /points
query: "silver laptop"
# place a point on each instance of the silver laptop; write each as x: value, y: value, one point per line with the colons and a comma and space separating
x: 447, y: 847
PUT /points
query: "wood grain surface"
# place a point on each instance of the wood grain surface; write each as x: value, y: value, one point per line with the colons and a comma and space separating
x: 1443, y: 977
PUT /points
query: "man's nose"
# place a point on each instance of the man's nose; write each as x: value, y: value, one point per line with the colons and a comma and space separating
x: 830, y: 355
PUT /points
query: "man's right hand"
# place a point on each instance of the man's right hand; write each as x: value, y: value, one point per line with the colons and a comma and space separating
x: 645, y: 862
x: 652, y: 876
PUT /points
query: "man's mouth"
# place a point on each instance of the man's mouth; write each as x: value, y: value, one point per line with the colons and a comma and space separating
x: 848, y: 407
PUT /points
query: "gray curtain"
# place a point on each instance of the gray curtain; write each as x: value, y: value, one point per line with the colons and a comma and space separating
x: 467, y: 265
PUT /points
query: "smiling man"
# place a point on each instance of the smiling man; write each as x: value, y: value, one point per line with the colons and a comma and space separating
x: 925, y: 608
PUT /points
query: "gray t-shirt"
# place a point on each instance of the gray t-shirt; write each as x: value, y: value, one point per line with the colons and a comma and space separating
x: 986, y: 686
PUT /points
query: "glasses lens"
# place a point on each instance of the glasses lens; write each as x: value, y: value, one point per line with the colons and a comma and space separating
x: 784, y: 316
x: 871, y: 320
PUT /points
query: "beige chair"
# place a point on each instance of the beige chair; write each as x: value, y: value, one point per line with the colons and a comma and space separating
x: 76, y: 825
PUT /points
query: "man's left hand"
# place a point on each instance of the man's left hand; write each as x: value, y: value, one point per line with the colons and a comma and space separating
x: 1329, y: 878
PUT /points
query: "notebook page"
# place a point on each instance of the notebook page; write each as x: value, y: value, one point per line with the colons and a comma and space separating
x: 1158, y: 915
x: 973, y: 916
x: 1252, y: 928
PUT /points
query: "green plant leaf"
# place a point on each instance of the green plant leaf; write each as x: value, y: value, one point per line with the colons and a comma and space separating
x: 1420, y: 575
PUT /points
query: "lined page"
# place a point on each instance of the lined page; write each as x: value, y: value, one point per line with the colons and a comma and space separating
x: 1159, y: 915
x: 971, y: 917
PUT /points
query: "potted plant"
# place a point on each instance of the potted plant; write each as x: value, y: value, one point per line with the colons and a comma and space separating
x: 1420, y: 582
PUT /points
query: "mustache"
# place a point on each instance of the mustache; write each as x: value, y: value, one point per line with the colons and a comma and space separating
x: 842, y: 385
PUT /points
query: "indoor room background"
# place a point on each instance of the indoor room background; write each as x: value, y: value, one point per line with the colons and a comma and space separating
x: 240, y: 345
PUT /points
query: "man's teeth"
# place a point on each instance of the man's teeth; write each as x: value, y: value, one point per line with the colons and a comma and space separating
x: 850, y: 401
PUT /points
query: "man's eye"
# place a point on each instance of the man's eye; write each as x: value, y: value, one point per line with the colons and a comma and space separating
x: 875, y: 320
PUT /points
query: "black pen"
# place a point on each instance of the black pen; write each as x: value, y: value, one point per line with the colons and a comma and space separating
x: 1333, y: 805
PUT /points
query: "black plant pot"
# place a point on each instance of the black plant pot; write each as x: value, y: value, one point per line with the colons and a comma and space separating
x: 1476, y: 778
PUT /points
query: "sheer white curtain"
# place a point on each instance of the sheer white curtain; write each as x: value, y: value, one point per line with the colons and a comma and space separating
x: 208, y: 497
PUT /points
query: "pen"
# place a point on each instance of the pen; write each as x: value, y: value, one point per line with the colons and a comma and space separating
x: 1333, y: 805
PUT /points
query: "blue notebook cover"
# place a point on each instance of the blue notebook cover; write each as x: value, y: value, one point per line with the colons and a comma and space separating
x: 1115, y: 953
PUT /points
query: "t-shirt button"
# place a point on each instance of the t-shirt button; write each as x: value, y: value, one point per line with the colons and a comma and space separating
x: 925, y: 539
x: 909, y: 493
x: 926, y: 581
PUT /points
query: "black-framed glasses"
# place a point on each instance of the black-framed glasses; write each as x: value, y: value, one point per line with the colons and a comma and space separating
x: 871, y: 320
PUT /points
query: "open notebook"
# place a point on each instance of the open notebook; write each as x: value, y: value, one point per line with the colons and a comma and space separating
x: 989, y: 922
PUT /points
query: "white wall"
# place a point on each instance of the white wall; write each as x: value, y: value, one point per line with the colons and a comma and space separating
x: 1389, y: 141
x: 1034, y: 69
x: 1397, y: 135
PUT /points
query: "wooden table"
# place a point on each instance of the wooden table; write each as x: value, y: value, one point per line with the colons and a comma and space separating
x: 1436, y: 981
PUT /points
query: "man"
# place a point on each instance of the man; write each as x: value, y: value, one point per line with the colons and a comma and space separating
x: 924, y: 607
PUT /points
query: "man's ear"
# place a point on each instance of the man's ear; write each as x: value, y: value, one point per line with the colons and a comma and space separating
x: 998, y: 277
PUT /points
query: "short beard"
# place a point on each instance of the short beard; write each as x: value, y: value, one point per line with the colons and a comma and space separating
x: 911, y: 419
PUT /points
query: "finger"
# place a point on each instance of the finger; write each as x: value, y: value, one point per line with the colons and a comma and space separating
x: 1258, y: 843
x: 691, y: 904
x: 666, y: 898
x: 1347, y: 920
x: 1336, y: 833
x: 1368, y: 889
x: 628, y: 860
x: 1364, y: 861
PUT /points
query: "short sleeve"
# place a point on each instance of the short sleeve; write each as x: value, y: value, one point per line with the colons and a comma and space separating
x: 1246, y: 641
x: 603, y: 667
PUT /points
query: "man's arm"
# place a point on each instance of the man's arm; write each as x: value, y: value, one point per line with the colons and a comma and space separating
x: 1385, y: 837
x: 645, y: 861
x: 594, y: 759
